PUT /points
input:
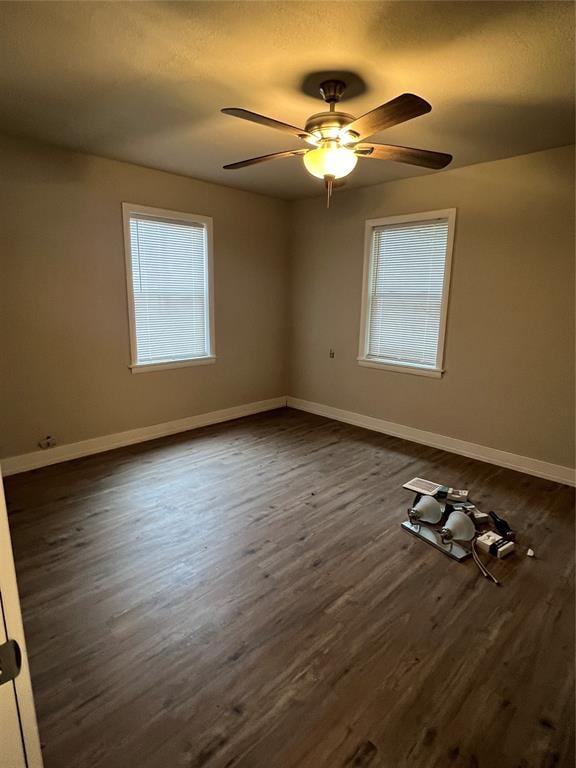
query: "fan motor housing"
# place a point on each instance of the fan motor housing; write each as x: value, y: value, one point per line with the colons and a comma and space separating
x: 327, y: 125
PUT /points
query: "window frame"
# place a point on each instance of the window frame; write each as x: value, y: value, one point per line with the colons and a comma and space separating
x: 398, y: 366
x: 177, y: 216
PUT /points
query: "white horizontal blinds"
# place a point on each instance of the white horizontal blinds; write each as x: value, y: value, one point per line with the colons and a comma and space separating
x: 170, y: 289
x: 405, y: 291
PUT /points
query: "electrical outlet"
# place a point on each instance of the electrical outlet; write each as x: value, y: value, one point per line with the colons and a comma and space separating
x: 46, y: 442
x: 331, y: 353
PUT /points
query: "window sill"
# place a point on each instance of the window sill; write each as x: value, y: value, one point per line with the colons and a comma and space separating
x: 149, y: 367
x: 418, y: 370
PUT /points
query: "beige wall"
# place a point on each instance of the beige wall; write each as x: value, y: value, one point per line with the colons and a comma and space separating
x: 509, y: 381
x: 64, y: 340
x: 64, y: 345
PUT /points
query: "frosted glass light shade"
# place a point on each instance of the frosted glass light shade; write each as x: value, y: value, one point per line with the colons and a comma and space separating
x: 330, y: 160
x: 427, y: 510
x: 459, y: 527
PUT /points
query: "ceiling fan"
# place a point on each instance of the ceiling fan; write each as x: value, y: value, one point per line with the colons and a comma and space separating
x: 338, y: 139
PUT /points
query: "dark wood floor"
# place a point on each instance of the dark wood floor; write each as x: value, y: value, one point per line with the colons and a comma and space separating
x: 242, y: 596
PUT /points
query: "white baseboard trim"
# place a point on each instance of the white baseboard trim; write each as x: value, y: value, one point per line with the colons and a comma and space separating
x: 555, y: 472
x: 25, y: 462
x: 15, y: 464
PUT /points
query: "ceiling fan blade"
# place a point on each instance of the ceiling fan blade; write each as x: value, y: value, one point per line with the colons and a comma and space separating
x: 400, y: 109
x: 422, y: 157
x: 263, y: 158
x: 254, y: 117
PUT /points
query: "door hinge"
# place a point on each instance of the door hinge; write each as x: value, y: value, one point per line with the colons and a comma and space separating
x: 10, y: 661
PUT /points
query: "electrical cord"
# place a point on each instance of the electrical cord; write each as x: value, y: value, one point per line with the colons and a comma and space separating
x: 483, y: 570
x: 481, y: 567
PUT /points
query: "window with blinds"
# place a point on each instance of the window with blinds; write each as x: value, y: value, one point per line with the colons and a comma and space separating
x: 169, y: 277
x: 405, y: 292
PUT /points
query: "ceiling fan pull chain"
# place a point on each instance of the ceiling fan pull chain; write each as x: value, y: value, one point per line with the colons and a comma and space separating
x: 329, y: 181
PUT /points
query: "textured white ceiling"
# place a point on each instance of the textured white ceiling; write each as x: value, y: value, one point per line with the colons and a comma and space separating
x: 145, y: 82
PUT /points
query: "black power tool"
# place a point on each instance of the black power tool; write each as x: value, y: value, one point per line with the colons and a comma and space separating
x: 502, y: 527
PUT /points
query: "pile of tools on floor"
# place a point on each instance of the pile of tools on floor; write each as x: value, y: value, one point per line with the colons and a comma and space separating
x: 446, y: 518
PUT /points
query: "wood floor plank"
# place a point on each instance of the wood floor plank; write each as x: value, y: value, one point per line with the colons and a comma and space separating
x: 242, y: 596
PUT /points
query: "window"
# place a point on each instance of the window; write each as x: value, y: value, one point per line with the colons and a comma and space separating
x: 406, y: 280
x: 169, y: 275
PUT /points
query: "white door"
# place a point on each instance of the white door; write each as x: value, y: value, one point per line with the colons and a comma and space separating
x: 19, y: 742
x: 11, y: 744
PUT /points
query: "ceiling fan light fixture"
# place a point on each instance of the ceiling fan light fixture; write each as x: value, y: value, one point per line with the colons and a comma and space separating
x: 330, y: 160
x: 339, y: 138
x: 331, y: 132
x: 347, y: 137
